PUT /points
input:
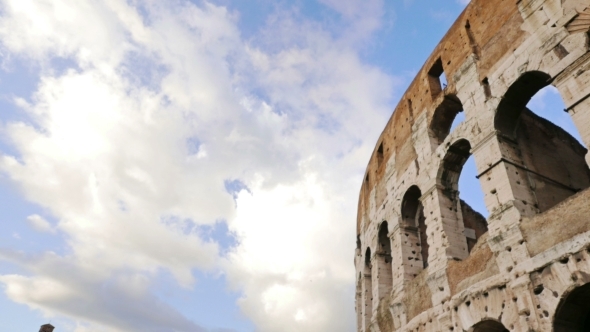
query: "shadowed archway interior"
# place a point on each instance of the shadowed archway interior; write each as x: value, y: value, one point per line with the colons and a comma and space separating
x: 573, y: 313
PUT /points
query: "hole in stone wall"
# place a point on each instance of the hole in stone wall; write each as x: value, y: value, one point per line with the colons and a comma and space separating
x: 548, y: 154
x: 486, y: 88
x: 437, y: 78
x: 380, y: 155
x: 415, y: 222
x: 443, y: 80
x: 368, y: 259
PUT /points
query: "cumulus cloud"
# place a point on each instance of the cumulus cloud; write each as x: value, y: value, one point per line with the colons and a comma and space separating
x: 131, y: 148
x: 40, y: 224
x: 365, y: 15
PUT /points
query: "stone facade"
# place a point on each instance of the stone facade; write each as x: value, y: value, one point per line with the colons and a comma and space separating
x: 425, y: 261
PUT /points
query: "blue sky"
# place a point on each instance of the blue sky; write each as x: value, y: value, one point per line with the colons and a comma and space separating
x: 195, y: 166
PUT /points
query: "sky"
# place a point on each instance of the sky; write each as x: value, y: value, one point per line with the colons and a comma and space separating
x: 195, y: 165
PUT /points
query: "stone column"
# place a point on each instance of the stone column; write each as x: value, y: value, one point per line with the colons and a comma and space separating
x: 358, y: 300
x: 504, y: 185
x: 574, y: 87
x: 445, y: 238
x: 367, y: 297
x: 444, y: 227
x: 383, y: 277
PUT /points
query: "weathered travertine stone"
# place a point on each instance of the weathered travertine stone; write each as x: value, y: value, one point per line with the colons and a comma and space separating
x: 425, y: 261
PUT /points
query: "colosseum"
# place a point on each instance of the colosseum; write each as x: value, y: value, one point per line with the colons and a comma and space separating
x: 424, y: 260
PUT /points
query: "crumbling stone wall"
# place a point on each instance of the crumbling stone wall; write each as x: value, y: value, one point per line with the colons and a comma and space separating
x: 425, y: 261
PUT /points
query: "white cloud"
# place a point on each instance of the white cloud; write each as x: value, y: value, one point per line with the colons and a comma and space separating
x: 365, y: 16
x: 40, y: 224
x: 130, y: 150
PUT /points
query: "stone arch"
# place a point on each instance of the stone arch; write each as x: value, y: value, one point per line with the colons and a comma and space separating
x: 414, y: 236
x: 573, y: 311
x: 516, y: 98
x: 471, y: 225
x: 488, y: 326
x: 384, y: 242
x: 442, y: 119
x: 367, y: 290
x: 545, y: 163
x: 383, y: 260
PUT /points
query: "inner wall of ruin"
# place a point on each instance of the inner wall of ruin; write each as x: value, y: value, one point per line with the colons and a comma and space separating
x: 425, y: 261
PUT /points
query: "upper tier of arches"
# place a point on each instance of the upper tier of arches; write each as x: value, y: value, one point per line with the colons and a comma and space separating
x: 477, y: 41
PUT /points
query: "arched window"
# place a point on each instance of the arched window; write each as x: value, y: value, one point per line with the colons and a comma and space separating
x: 368, y: 260
x: 573, y: 312
x: 367, y: 291
x: 546, y: 161
x: 415, y: 239
x: 384, y: 261
x: 443, y: 118
x: 474, y: 224
x: 384, y: 243
x: 489, y: 326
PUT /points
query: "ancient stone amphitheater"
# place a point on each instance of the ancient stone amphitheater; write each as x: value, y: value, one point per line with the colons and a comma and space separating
x: 425, y: 261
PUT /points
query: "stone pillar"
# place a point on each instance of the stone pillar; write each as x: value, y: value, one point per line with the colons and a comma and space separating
x: 580, y: 113
x: 358, y: 301
x: 507, y: 197
x: 445, y: 238
x: 444, y: 227
x: 383, y: 278
x: 504, y: 185
x: 522, y: 293
x: 411, y: 257
x: 574, y: 87
x: 367, y: 297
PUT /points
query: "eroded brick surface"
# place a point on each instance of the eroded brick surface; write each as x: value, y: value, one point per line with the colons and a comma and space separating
x: 425, y: 261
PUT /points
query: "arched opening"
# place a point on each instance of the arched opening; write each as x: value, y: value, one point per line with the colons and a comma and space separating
x: 474, y: 223
x: 489, y: 326
x: 573, y: 312
x: 470, y: 188
x: 444, y: 118
x: 367, y: 291
x: 546, y: 161
x: 384, y: 272
x: 415, y: 243
x: 384, y: 243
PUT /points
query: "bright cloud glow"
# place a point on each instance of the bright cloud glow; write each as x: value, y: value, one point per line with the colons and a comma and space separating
x: 151, y: 125
x: 40, y: 224
x: 129, y: 148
